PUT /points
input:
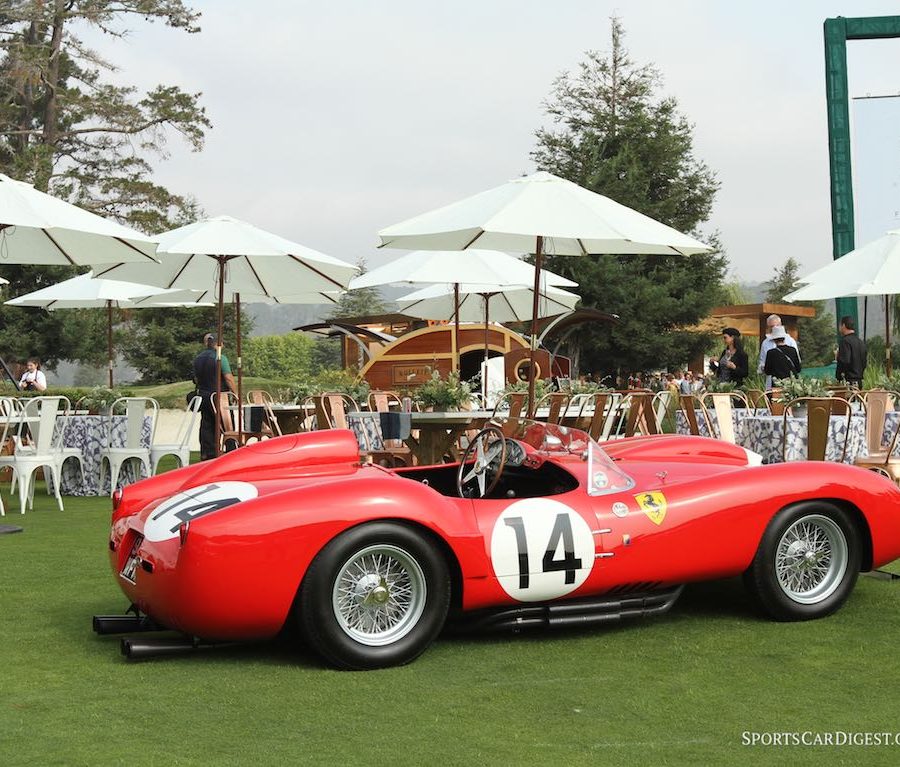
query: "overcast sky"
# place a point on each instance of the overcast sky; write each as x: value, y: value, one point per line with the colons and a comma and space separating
x: 335, y: 119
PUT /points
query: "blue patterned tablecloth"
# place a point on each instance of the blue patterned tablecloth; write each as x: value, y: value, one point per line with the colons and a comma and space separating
x: 88, y: 432
x: 763, y: 435
x: 739, y: 418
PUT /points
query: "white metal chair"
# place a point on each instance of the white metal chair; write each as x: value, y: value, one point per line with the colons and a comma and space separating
x: 40, y: 414
x: 116, y: 456
x: 64, y: 452
x: 181, y: 447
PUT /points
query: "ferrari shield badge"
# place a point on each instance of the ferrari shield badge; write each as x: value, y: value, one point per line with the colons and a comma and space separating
x: 653, y: 504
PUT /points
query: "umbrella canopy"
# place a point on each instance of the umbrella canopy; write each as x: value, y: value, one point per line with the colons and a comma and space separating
x: 571, y: 220
x: 83, y: 292
x: 504, y: 303
x: 235, y: 258
x: 490, y: 267
x: 452, y: 266
x: 540, y: 213
x: 36, y: 228
x: 872, y: 269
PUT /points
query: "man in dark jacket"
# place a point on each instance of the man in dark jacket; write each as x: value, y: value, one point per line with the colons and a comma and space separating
x: 205, y: 379
x: 850, y: 354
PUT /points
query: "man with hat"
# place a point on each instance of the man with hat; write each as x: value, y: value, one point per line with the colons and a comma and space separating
x: 782, y: 361
x: 767, y: 344
x: 205, y: 379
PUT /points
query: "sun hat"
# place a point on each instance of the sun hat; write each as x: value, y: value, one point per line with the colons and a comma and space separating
x: 777, y: 332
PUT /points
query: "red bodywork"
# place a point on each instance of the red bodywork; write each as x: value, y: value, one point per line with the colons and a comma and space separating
x: 696, y: 511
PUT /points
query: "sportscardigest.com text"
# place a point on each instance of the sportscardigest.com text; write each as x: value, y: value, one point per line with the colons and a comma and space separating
x: 827, y: 738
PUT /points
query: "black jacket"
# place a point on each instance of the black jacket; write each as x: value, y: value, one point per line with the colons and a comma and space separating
x: 782, y: 362
x: 851, y: 359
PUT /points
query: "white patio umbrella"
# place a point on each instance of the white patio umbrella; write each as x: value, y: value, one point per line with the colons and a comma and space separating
x: 872, y: 269
x: 37, y: 228
x: 83, y: 292
x: 539, y: 214
x: 487, y: 267
x: 235, y: 258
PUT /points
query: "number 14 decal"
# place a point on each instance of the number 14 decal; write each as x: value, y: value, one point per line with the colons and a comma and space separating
x: 562, y: 530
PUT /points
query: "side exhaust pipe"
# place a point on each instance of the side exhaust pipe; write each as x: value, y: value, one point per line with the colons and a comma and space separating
x: 134, y: 648
x: 138, y: 649
x: 122, y: 624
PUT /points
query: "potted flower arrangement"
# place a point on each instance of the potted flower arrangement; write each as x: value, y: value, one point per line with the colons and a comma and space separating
x: 797, y: 386
x: 440, y: 394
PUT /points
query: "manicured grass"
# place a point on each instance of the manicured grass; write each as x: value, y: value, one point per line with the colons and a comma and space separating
x: 680, y: 689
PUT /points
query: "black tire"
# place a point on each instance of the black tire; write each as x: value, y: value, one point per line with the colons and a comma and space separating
x: 356, y: 619
x: 807, y: 562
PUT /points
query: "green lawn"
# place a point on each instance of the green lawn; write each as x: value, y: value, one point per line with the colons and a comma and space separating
x: 680, y: 689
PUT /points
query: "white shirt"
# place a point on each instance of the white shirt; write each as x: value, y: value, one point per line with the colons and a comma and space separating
x: 33, y: 376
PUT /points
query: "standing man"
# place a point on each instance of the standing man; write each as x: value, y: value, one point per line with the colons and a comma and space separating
x: 772, y: 321
x: 205, y: 379
x: 850, y: 354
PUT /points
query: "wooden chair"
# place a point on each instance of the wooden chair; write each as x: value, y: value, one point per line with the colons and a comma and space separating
x: 641, y: 417
x: 757, y: 399
x: 262, y: 398
x: 395, y: 451
x: 599, y: 421
x: 229, y: 436
x: 776, y: 407
x: 879, y: 456
x: 690, y: 405
x: 663, y: 407
x: 556, y: 403
x: 818, y: 419
x: 722, y: 404
x: 511, y: 407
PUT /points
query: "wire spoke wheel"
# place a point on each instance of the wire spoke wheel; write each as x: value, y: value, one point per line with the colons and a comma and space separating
x: 811, y: 559
x: 379, y: 595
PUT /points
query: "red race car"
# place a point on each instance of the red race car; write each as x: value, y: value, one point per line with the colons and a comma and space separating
x: 537, y: 525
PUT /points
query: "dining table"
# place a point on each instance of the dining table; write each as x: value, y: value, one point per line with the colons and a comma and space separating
x: 435, y: 434
x: 763, y: 434
x: 88, y: 433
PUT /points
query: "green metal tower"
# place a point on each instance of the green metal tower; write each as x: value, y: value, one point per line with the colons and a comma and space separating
x: 837, y: 32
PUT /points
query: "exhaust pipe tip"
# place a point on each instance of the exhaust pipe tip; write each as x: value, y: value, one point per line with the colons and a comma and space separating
x: 134, y: 648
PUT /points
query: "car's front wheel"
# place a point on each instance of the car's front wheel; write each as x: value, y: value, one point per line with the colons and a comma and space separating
x: 807, y: 562
x: 375, y: 596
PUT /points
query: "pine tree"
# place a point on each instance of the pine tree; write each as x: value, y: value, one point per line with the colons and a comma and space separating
x: 614, y: 136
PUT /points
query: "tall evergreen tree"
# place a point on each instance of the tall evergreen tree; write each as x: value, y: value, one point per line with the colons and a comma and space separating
x: 68, y: 130
x: 614, y: 136
x: 360, y: 302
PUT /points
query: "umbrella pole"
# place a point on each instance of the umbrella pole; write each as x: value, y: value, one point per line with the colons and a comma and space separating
x: 538, y: 257
x: 484, y: 375
x: 456, y: 325
x: 221, y: 328
x: 237, y: 320
x: 888, y: 367
x: 109, y: 344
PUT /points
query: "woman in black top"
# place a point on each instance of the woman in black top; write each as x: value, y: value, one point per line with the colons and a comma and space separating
x: 782, y: 361
x: 733, y: 364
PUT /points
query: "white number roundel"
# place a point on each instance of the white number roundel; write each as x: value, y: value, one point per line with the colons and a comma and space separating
x: 165, y: 520
x: 541, y: 549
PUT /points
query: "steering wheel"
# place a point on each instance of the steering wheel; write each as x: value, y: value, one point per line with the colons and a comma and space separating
x: 488, y: 449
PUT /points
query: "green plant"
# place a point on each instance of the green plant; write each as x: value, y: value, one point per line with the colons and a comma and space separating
x: 796, y: 386
x: 541, y: 387
x: 99, y: 399
x: 440, y: 394
x: 326, y: 381
x: 715, y: 385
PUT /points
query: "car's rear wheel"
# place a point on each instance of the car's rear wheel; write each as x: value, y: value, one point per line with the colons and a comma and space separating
x: 375, y: 596
x: 807, y: 562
